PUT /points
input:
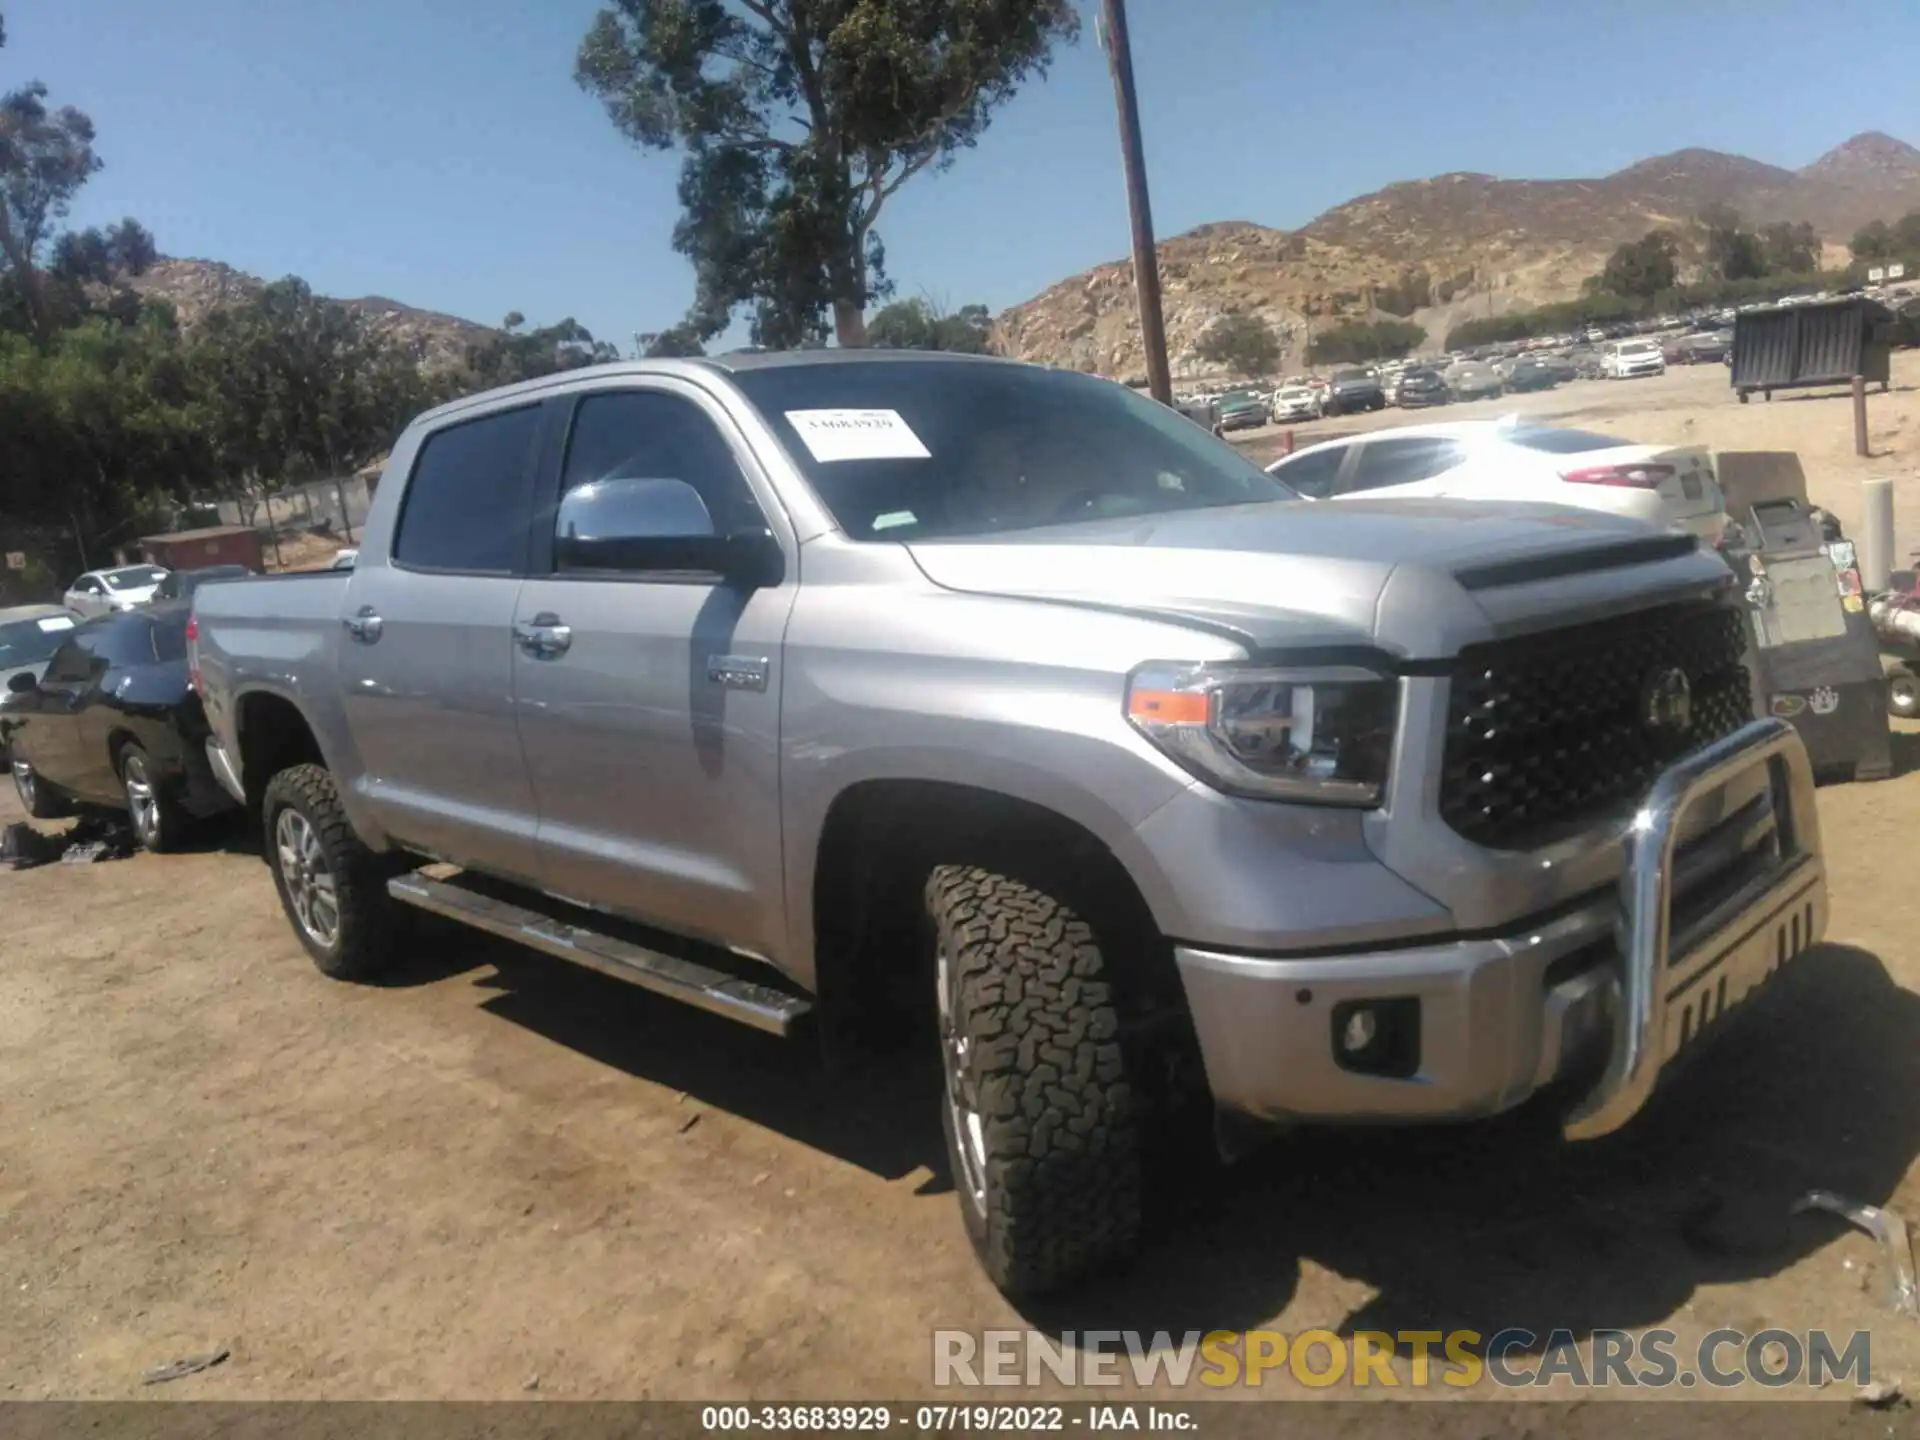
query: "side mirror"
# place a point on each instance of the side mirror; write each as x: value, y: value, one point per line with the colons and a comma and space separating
x: 753, y: 559
x: 22, y: 682
x: 657, y: 525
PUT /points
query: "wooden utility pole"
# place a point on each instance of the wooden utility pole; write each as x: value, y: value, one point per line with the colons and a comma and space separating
x: 1146, y: 264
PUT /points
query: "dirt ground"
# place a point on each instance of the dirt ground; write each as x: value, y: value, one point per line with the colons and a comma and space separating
x: 497, y: 1172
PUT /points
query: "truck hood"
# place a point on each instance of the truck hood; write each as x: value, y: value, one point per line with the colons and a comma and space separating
x: 1416, y: 579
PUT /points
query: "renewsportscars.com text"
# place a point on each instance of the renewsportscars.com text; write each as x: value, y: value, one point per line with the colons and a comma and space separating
x: 1456, y: 1359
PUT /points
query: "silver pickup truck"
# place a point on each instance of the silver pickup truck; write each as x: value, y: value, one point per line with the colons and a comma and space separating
x: 857, y: 688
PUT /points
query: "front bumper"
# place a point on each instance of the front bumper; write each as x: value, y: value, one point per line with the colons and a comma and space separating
x: 1612, y: 981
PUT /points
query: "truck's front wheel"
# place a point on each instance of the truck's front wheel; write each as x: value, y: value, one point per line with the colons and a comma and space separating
x: 332, y: 886
x: 1043, y: 1133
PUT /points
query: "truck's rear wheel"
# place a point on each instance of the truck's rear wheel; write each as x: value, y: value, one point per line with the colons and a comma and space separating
x: 1043, y: 1130
x: 332, y: 887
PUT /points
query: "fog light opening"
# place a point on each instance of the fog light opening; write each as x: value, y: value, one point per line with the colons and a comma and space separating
x: 1378, y: 1037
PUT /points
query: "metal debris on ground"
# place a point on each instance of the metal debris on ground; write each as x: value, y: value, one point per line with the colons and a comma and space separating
x: 192, y: 1365
x: 1886, y: 1226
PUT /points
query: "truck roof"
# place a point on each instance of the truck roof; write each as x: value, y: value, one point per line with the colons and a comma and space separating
x: 732, y: 362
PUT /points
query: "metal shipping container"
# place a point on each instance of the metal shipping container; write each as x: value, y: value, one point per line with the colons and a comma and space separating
x: 1822, y: 344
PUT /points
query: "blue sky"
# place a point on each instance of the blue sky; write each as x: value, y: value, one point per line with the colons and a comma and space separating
x: 438, y: 151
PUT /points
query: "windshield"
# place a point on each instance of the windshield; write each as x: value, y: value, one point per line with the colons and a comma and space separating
x: 1637, y: 347
x: 915, y: 450
x: 1562, y: 442
x: 134, y: 577
x: 30, y: 642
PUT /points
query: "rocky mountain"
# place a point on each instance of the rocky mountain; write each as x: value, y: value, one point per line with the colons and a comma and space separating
x: 1872, y: 159
x: 194, y: 287
x: 1476, y: 243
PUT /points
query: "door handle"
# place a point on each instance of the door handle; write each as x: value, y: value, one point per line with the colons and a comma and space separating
x: 364, y: 625
x: 544, y: 637
x: 737, y: 672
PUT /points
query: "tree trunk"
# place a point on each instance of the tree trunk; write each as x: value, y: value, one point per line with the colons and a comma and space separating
x: 849, y: 325
x: 20, y: 261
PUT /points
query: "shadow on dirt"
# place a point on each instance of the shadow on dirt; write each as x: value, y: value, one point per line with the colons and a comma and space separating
x: 1481, y: 1226
x: 881, y: 1117
x: 228, y: 833
x: 1906, y: 752
x: 1500, y: 1224
x: 1874, y: 392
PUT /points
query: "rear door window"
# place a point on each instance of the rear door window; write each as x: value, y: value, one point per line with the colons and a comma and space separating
x: 469, y: 498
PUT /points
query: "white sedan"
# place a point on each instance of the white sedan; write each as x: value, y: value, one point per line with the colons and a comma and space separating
x: 1671, y: 486
x: 1629, y: 359
x: 1296, y: 402
x: 107, y: 592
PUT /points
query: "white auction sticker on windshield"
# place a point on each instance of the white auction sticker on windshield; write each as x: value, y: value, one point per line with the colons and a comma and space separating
x: 857, y: 435
x: 56, y: 622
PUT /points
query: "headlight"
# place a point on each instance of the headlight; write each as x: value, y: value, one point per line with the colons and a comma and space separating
x: 1318, y: 735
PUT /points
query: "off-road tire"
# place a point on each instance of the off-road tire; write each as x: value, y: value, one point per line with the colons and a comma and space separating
x: 364, y: 946
x: 1034, y: 1001
x: 36, y: 797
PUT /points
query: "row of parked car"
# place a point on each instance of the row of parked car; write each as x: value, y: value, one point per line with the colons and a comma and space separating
x: 1477, y: 375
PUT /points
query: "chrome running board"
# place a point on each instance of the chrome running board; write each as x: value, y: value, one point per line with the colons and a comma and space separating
x: 761, y: 1006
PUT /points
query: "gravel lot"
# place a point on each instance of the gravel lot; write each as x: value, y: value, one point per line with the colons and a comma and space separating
x: 498, y: 1172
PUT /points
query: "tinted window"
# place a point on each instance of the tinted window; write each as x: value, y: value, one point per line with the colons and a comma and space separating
x: 1313, y: 473
x: 953, y: 447
x: 1402, y: 462
x: 1561, y: 442
x: 466, y: 505
x: 643, y: 435
x: 72, y: 664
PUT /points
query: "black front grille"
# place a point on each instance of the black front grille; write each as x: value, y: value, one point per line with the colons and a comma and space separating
x: 1548, y: 731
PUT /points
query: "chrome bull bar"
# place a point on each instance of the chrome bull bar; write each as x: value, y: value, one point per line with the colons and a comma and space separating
x: 1776, y: 916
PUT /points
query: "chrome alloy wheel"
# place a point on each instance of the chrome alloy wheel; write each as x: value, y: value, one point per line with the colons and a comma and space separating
x: 24, y: 785
x: 307, y: 878
x: 963, y: 1098
x: 143, y: 802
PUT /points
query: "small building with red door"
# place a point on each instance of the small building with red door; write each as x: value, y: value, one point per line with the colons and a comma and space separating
x: 197, y: 549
